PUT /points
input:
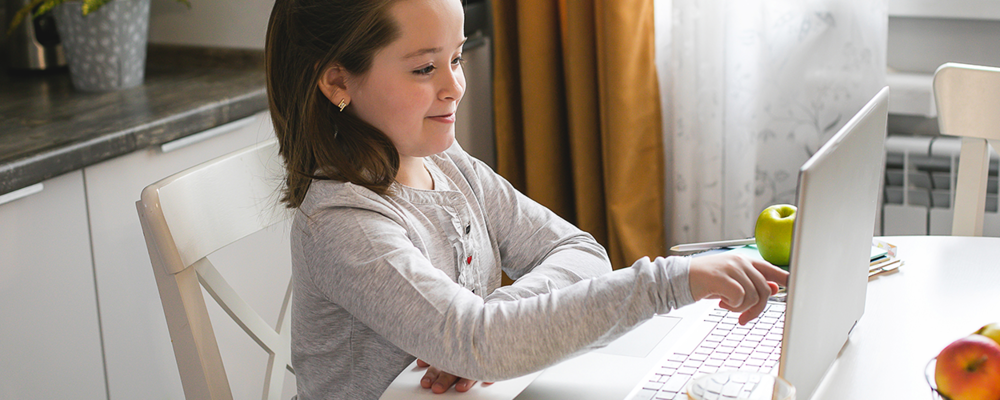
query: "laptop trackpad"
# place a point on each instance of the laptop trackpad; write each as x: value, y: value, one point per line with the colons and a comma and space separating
x: 640, y: 341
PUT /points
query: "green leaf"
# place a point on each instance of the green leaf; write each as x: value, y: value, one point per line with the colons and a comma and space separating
x: 19, y: 16
x: 90, y: 6
x: 47, y: 6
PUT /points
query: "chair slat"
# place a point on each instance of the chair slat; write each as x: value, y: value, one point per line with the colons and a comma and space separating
x: 199, y: 223
x: 970, y: 191
x: 278, y: 362
x: 236, y: 307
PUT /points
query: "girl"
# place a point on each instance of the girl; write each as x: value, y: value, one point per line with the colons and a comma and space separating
x: 400, y: 237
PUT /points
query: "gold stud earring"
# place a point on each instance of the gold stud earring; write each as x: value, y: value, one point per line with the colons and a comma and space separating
x: 342, y: 105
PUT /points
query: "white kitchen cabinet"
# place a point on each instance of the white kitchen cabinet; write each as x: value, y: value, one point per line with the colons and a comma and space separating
x: 138, y: 354
x: 50, y: 341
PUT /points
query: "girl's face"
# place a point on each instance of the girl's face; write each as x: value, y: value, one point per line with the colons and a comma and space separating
x: 416, y: 82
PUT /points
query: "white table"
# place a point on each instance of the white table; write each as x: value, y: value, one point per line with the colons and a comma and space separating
x: 948, y: 288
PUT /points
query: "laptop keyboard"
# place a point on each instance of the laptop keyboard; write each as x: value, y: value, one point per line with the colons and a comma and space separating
x: 755, y: 346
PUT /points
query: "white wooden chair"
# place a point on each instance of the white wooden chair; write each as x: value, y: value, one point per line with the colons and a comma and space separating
x: 968, y: 104
x: 186, y: 217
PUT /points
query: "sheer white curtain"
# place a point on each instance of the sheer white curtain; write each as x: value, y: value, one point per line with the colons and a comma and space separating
x: 750, y: 90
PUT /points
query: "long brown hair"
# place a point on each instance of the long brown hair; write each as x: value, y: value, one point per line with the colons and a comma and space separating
x: 316, y: 139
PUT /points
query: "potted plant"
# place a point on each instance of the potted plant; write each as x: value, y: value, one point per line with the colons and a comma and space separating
x: 104, y: 40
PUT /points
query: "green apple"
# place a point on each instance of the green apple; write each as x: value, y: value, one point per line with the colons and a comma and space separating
x: 773, y: 233
x: 991, y: 331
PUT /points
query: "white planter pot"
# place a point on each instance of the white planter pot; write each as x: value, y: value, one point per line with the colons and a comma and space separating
x: 106, y: 49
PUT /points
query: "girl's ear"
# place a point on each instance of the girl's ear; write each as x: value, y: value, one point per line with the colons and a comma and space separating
x: 333, y: 84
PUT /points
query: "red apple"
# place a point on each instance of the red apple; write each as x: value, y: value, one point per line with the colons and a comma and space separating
x: 969, y: 369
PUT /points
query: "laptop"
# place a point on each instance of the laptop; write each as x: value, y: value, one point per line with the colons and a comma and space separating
x: 837, y: 198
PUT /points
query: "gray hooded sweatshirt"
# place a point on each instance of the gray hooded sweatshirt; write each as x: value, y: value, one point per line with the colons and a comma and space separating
x: 379, y: 280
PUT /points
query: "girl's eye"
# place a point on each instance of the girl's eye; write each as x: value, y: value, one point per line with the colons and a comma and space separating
x: 458, y: 60
x: 425, y: 70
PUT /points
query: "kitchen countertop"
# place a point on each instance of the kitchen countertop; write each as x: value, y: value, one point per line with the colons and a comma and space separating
x: 47, y: 128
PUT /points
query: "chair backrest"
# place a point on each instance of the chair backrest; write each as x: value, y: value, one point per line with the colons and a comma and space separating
x: 186, y: 217
x: 968, y: 104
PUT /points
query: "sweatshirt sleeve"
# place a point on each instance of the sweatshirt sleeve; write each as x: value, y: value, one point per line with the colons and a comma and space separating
x: 538, y: 249
x: 363, y: 261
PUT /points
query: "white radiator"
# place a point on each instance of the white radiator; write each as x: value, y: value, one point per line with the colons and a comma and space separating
x: 919, y: 186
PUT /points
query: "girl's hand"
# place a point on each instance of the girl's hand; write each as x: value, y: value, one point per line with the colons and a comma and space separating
x: 439, y: 381
x: 742, y: 285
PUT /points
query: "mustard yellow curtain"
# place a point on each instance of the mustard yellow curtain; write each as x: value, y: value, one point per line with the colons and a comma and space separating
x: 577, y: 111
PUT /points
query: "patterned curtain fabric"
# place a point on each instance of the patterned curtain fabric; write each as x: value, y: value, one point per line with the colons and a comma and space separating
x: 578, y: 120
x: 751, y: 89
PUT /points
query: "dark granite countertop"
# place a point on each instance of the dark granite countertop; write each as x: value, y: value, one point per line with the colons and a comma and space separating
x: 48, y: 129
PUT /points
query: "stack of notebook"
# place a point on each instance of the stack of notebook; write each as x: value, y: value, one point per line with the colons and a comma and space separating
x: 884, y: 259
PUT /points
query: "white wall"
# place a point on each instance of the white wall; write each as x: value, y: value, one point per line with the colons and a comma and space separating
x: 923, y: 34
x: 920, y: 45
x: 210, y: 23
x: 962, y: 9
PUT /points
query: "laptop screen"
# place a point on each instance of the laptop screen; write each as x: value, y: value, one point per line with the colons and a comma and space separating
x: 838, y: 194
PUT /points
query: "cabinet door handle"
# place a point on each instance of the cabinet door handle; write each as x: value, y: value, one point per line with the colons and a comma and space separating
x: 21, y: 193
x: 207, y: 134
